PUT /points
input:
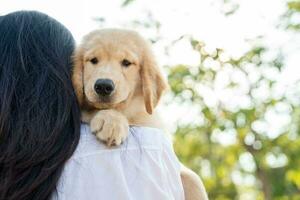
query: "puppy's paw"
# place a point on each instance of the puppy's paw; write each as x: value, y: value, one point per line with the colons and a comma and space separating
x: 110, y: 126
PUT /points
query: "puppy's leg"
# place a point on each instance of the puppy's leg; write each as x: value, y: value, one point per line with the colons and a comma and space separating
x: 87, y: 116
x: 110, y: 126
x: 192, y: 185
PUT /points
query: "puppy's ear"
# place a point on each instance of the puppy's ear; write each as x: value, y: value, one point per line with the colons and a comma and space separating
x: 153, y: 83
x: 77, y: 76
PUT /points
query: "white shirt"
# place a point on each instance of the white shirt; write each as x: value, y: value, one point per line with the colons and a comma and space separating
x: 144, y: 167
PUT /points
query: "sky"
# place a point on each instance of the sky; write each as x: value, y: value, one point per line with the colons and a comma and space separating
x: 204, y: 20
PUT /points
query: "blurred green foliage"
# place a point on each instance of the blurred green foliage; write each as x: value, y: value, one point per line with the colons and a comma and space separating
x: 259, y: 163
x: 275, y: 171
x: 245, y: 140
x: 291, y: 17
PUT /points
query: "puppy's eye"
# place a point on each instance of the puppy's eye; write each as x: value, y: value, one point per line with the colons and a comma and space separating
x: 126, y: 63
x: 94, y: 60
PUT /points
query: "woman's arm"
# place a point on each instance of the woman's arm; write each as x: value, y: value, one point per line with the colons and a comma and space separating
x: 192, y: 185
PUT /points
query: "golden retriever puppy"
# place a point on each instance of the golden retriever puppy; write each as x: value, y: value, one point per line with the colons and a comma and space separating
x: 118, y: 83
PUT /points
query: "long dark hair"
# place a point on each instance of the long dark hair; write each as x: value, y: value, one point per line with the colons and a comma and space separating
x: 39, y: 114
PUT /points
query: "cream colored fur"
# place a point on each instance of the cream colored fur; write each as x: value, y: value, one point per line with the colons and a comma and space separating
x: 138, y: 88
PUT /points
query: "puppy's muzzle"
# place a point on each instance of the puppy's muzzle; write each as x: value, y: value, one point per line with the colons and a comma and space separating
x: 104, y: 87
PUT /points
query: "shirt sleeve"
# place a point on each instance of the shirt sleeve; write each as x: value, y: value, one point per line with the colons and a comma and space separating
x: 169, y: 149
x: 173, y: 165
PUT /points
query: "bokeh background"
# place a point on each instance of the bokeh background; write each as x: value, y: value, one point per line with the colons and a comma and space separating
x: 233, y: 70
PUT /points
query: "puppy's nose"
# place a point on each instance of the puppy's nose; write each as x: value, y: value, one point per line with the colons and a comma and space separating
x: 104, y: 87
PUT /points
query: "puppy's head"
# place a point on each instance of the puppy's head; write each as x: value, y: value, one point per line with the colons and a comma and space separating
x: 112, y: 65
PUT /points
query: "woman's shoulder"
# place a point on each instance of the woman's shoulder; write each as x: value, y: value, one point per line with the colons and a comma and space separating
x: 145, y: 165
x: 146, y: 138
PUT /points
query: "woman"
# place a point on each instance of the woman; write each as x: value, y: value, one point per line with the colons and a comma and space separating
x: 40, y: 128
x: 39, y: 115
